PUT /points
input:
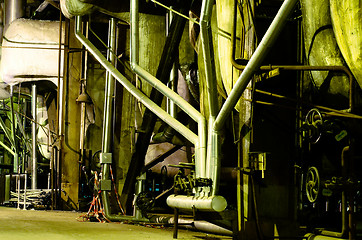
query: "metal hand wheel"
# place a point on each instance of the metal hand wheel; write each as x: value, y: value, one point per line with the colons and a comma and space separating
x: 312, y: 185
x: 315, y: 120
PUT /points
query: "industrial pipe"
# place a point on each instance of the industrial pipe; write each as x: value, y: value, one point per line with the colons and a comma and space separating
x: 200, y: 144
x: 14, y: 9
x: 34, y: 171
x: 310, y: 236
x: 213, y: 148
x: 208, y: 54
x: 172, y: 84
x: 255, y: 61
x: 195, y: 225
x: 107, y: 123
x: 109, y: 90
x: 13, y: 132
x: 213, y: 203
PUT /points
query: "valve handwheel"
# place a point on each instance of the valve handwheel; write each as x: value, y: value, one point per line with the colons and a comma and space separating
x: 315, y: 120
x: 312, y: 184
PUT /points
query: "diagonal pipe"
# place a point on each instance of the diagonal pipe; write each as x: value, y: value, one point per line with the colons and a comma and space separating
x: 255, y: 61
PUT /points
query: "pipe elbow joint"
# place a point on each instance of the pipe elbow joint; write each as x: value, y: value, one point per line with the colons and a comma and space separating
x: 133, y: 66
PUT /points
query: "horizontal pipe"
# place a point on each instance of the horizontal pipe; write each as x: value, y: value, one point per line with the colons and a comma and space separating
x: 213, y: 203
x: 113, y: 217
x: 163, y: 115
x: 255, y: 61
x: 194, y: 225
x: 310, y: 236
x: 310, y: 68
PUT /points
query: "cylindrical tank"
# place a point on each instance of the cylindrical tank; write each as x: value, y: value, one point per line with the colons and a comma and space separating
x: 31, y: 52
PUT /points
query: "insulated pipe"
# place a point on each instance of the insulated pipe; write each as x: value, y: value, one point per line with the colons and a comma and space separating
x: 194, y: 225
x: 13, y: 134
x: 171, y: 107
x: 255, y: 61
x: 310, y: 236
x: 200, y: 144
x: 208, y: 54
x: 213, y: 203
x: 213, y: 149
x: 34, y: 171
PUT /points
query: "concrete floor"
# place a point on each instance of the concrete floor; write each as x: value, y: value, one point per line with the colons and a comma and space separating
x: 40, y: 225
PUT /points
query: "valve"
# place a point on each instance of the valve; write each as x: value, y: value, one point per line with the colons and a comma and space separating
x: 312, y: 185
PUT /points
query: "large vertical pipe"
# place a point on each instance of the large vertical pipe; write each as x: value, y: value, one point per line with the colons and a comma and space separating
x: 14, y: 9
x: 13, y: 132
x: 208, y: 54
x: 109, y: 90
x: 34, y: 172
x: 107, y: 111
x: 213, y: 161
x: 83, y: 102
x: 171, y: 107
x: 255, y: 61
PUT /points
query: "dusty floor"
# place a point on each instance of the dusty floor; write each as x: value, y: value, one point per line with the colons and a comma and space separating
x: 53, y: 225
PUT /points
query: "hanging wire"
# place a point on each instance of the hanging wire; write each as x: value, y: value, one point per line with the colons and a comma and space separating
x: 178, y: 13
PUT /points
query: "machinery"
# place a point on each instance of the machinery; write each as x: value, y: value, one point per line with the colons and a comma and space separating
x: 242, y: 114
